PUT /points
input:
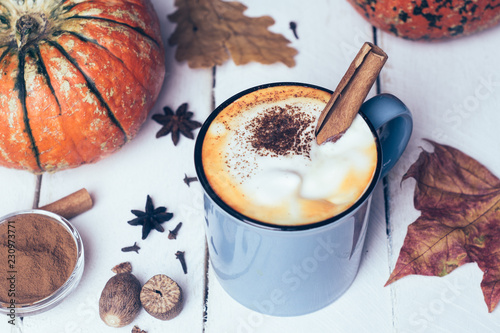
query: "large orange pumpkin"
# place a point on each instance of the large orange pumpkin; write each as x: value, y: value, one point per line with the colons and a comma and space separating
x: 77, y: 79
x: 430, y: 19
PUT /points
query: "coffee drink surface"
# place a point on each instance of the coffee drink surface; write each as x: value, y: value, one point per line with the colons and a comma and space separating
x: 261, y: 158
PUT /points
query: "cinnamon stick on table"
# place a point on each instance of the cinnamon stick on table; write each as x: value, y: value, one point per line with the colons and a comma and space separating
x: 71, y: 205
x: 351, y: 92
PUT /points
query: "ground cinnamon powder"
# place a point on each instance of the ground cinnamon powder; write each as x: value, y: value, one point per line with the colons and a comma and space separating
x: 44, y: 257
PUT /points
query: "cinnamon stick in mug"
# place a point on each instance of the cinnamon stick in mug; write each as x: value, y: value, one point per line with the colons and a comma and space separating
x: 350, y: 93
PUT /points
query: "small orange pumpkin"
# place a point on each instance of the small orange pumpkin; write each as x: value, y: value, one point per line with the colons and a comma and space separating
x: 430, y: 19
x: 77, y: 79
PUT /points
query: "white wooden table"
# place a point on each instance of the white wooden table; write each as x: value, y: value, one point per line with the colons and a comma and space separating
x: 453, y: 90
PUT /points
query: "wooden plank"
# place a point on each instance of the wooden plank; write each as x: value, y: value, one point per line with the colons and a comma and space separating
x: 18, y: 190
x: 453, y: 90
x: 121, y: 182
x: 326, y: 48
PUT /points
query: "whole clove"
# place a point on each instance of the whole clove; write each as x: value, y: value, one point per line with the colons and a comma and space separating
x: 172, y: 234
x: 188, y: 180
x: 180, y: 255
x: 293, y: 27
x: 134, y: 248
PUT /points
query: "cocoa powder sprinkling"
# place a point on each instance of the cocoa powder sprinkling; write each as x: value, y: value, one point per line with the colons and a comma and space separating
x: 275, y: 131
x: 281, y: 131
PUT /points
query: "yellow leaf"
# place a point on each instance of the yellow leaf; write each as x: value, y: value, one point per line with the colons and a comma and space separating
x: 208, y: 32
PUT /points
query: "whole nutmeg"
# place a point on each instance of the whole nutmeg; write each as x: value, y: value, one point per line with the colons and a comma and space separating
x: 161, y: 297
x: 120, y: 299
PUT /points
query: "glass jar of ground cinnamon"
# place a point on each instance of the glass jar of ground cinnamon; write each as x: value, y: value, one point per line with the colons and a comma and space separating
x: 41, y: 261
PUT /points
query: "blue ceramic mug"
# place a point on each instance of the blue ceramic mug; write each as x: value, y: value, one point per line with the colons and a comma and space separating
x: 294, y: 270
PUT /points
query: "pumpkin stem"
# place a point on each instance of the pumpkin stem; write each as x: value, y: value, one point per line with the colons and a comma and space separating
x: 28, y: 30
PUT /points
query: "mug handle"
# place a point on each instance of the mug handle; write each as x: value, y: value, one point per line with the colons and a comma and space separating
x: 389, y: 115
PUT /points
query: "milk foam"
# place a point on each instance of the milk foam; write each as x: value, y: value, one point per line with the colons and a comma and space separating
x: 291, y: 188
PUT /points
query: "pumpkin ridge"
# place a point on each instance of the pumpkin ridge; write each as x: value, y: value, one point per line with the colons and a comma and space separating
x: 5, y: 52
x: 21, y: 88
x: 43, y: 71
x: 136, y: 29
x: 89, y: 40
x: 68, y: 8
x: 5, y: 13
x: 5, y: 21
x: 92, y: 87
x: 45, y: 74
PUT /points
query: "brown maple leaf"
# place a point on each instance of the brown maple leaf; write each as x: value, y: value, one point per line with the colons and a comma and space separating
x: 209, y: 30
x: 459, y: 200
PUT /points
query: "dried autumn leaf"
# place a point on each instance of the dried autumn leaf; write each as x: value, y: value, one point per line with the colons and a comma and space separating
x: 459, y: 200
x: 209, y: 30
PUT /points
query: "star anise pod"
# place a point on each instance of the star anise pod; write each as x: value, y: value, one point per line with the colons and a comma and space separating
x: 175, y: 123
x: 151, y: 218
